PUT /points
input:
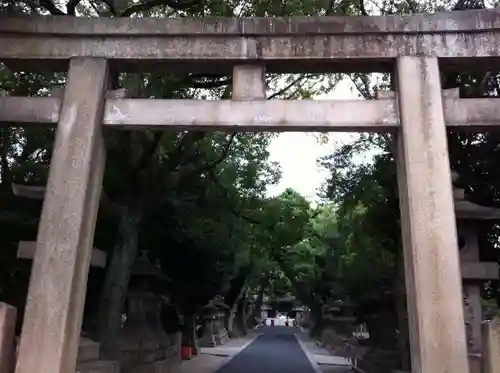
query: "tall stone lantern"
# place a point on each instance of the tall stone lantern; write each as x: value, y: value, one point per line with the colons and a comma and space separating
x: 209, y: 317
x: 474, y: 272
x: 143, y: 343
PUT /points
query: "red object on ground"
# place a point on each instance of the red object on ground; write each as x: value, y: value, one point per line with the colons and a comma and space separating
x: 186, y: 352
x: 272, y: 322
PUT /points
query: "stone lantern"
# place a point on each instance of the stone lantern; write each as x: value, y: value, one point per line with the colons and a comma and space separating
x: 209, y: 316
x: 474, y: 272
x: 215, y: 333
x: 144, y: 345
x: 222, y: 335
x: 341, y: 315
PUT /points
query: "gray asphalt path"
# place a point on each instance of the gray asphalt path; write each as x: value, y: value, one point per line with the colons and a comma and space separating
x: 275, y: 351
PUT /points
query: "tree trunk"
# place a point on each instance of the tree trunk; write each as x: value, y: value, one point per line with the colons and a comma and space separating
x: 114, y: 291
x: 240, y: 317
x: 233, y: 328
x: 230, y: 323
x: 317, y: 320
x: 257, y: 310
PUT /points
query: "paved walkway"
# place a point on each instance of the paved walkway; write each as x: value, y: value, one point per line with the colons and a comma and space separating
x: 271, y: 349
x: 276, y: 350
x: 212, y: 358
x: 233, y: 347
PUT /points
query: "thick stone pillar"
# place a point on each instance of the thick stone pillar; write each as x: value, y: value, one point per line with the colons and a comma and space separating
x: 433, y: 281
x: 56, y: 295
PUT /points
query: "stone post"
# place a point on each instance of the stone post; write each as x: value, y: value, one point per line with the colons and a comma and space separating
x: 56, y: 295
x: 432, y: 271
x: 8, y: 316
x: 473, y: 313
x: 491, y: 346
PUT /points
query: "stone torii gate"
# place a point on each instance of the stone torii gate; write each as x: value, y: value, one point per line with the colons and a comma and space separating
x: 414, y: 47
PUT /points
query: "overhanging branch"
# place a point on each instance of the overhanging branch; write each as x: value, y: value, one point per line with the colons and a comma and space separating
x: 207, y: 82
x: 147, y: 5
x: 290, y: 85
x: 222, y: 157
x: 111, y: 6
x: 71, y: 7
x: 362, y: 8
x: 51, y: 8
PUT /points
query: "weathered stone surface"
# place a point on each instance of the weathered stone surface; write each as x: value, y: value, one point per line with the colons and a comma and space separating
x: 432, y: 269
x: 88, y: 358
x: 259, y: 115
x: 249, y: 82
x: 321, y: 44
x: 53, y: 315
x: 31, y: 110
x: 8, y: 316
x: 27, y: 249
x: 458, y: 21
x: 345, y: 53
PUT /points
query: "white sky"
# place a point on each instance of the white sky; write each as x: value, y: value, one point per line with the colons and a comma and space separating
x: 297, y: 152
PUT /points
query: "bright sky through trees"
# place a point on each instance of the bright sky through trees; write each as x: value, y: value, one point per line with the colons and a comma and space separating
x: 297, y: 152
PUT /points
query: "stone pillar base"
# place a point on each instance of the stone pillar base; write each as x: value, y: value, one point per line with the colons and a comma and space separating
x: 88, y: 360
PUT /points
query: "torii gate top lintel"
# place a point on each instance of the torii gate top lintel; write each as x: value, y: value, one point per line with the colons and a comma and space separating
x: 458, y: 21
x: 309, y: 44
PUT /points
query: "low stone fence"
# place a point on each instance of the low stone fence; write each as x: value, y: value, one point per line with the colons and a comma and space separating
x: 164, y: 357
x: 489, y: 360
x: 346, y: 346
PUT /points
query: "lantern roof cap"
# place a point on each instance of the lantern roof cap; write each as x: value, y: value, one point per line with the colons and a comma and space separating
x: 472, y: 211
x: 467, y: 210
x: 144, y: 267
